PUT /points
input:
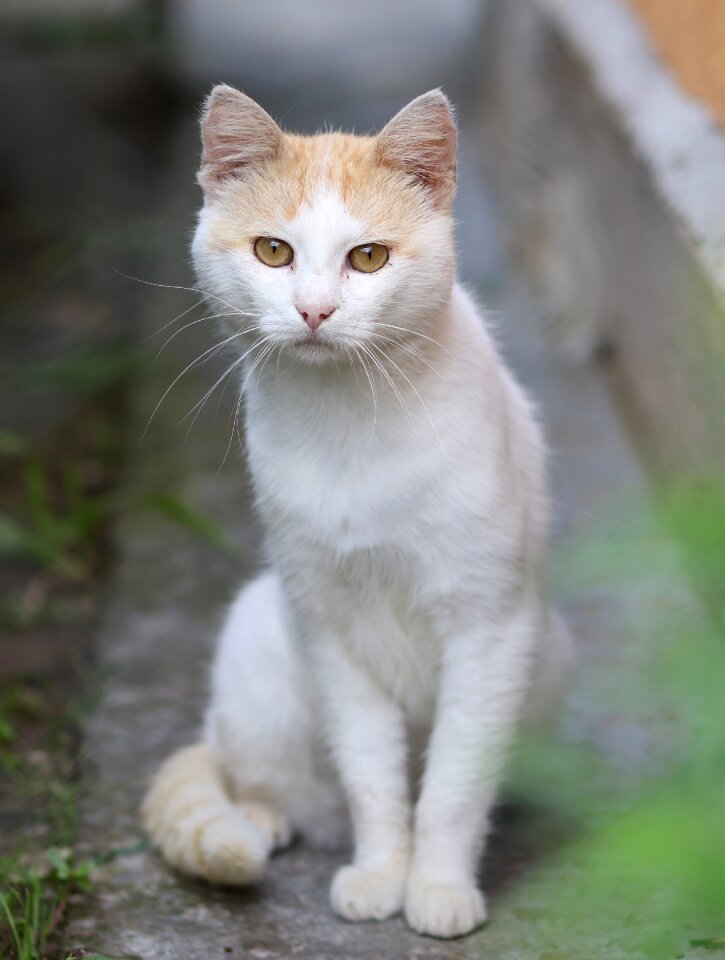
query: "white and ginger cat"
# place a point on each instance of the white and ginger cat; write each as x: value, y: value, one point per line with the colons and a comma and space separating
x: 374, y: 674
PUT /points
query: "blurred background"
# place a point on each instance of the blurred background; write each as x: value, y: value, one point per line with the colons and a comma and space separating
x: 591, y: 221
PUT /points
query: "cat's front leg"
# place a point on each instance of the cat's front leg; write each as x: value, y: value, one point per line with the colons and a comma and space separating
x: 484, y: 673
x: 367, y: 734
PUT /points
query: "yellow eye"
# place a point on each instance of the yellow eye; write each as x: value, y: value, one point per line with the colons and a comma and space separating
x: 273, y: 252
x: 368, y: 257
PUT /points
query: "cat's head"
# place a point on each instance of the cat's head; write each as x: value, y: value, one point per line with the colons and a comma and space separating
x: 330, y: 243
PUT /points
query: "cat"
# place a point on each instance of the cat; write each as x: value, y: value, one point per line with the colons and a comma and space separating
x: 373, y: 676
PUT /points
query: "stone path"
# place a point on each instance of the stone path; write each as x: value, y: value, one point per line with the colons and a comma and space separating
x: 169, y: 594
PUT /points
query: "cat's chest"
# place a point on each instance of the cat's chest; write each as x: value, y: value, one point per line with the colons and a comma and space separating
x: 344, y: 494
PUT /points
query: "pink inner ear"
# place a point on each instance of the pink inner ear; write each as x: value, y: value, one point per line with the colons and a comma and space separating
x: 421, y: 141
x: 236, y: 133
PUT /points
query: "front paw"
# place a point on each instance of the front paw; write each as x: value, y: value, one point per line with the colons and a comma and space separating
x: 360, y: 894
x: 443, y: 909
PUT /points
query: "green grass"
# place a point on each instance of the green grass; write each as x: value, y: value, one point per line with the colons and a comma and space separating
x: 56, y: 528
x: 29, y: 914
x: 42, y: 872
x: 34, y: 901
x: 37, y: 875
x: 57, y: 521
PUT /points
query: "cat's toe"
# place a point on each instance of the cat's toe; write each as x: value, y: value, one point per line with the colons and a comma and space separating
x: 360, y: 894
x: 443, y: 909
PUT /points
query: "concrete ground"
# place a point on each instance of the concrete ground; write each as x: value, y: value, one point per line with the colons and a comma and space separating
x: 169, y: 595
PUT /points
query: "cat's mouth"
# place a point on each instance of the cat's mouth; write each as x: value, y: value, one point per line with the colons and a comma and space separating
x: 313, y: 343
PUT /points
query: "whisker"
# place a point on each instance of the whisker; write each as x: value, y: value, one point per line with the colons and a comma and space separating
x: 411, y: 350
x: 413, y: 333
x: 177, y: 317
x: 414, y: 389
x: 372, y: 391
x: 269, y: 354
x: 265, y: 352
x: 211, y: 316
x: 256, y: 361
x: 198, y: 406
x: 202, y: 358
x: 256, y: 327
x: 176, y: 286
x: 393, y: 385
x: 386, y: 376
x: 235, y: 428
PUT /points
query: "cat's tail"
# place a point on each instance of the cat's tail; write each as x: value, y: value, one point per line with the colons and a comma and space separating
x: 196, y: 826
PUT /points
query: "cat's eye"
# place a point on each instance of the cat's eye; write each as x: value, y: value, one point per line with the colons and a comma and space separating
x: 273, y: 252
x: 368, y: 257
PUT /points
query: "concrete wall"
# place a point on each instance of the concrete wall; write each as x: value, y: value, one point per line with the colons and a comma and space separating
x: 626, y: 272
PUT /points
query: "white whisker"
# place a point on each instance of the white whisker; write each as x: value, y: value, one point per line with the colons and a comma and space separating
x: 372, y: 391
x: 199, y: 405
x: 176, y: 286
x: 174, y: 320
x: 414, y: 389
x: 412, y: 333
x: 390, y: 380
x: 408, y: 348
x: 235, y: 429
x: 211, y: 316
x: 202, y: 358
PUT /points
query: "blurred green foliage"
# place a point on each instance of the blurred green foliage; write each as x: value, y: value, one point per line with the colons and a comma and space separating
x: 642, y: 874
x: 57, y: 515
x: 83, y: 371
x: 58, y: 524
x: 61, y: 538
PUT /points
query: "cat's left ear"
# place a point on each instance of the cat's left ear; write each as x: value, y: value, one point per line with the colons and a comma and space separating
x: 421, y: 142
x: 237, y: 135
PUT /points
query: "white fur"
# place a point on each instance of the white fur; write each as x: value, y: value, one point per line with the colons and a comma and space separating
x: 406, y: 527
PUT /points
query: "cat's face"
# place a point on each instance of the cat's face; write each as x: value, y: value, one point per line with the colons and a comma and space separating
x: 331, y: 244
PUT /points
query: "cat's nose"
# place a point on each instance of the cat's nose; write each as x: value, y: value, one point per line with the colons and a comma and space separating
x: 314, y: 315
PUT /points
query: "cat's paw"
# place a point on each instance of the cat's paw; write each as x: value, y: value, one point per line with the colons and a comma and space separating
x: 443, y: 909
x: 360, y: 894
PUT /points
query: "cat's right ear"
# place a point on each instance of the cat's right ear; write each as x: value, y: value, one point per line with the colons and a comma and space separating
x: 421, y: 142
x: 236, y: 134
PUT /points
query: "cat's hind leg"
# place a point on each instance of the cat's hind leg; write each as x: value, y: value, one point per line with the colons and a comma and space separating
x: 218, y: 809
x: 262, y: 724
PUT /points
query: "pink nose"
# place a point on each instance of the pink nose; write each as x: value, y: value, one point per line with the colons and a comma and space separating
x: 313, y: 316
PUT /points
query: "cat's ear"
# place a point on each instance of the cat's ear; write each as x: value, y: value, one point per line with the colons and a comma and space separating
x: 236, y: 134
x: 421, y: 142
